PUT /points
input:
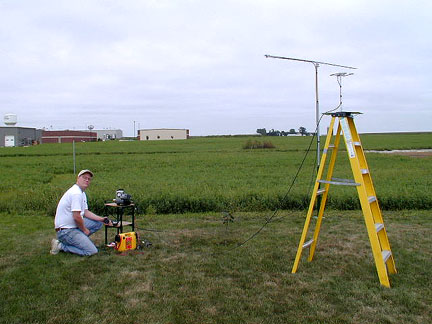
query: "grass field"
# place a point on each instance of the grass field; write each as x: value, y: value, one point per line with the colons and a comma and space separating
x: 195, y: 273
x: 209, y: 174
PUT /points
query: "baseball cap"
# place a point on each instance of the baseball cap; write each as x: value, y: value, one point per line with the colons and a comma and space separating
x: 85, y: 171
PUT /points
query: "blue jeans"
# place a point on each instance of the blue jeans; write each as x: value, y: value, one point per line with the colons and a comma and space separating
x: 73, y: 240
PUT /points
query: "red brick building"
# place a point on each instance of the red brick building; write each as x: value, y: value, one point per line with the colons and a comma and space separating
x: 68, y: 136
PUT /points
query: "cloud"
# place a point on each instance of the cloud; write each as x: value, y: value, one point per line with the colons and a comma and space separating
x: 201, y: 65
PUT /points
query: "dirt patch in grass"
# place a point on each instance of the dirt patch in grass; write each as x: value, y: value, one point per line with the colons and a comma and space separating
x: 410, y: 153
x: 419, y: 154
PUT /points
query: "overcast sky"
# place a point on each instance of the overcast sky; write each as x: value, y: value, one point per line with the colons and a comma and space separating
x: 200, y: 65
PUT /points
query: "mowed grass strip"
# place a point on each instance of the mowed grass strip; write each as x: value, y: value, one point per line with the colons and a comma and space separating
x: 195, y: 273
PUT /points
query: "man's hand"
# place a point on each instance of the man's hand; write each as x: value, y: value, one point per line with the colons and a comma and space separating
x: 107, y: 221
x: 80, y: 222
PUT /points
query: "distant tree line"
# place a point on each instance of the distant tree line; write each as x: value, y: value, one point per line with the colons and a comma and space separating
x: 302, y: 131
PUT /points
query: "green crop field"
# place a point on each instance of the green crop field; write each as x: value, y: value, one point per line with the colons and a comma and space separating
x: 198, y: 270
x: 209, y: 174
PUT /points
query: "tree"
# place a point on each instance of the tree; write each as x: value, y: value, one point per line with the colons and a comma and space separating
x: 273, y: 133
x: 302, y: 130
x: 262, y: 131
x: 292, y: 131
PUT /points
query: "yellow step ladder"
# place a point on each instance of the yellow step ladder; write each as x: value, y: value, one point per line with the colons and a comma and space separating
x: 382, y: 253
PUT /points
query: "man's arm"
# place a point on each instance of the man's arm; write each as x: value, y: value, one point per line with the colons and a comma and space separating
x: 90, y: 215
x: 80, y: 222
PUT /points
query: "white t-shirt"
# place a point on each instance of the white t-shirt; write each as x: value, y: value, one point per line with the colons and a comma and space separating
x: 73, y: 200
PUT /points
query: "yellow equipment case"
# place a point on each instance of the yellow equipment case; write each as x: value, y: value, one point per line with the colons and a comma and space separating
x: 126, y: 241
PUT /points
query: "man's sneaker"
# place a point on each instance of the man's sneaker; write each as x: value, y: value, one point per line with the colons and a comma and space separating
x: 55, y: 246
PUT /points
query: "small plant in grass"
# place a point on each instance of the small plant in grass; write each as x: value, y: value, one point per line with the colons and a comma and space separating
x: 257, y: 145
x: 227, y: 218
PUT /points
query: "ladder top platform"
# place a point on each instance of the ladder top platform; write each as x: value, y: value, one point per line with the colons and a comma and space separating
x: 343, y: 113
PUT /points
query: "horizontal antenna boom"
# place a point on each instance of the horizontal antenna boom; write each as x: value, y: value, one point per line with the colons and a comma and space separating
x: 309, y: 61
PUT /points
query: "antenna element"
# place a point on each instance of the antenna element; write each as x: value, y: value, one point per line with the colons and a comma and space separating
x: 339, y: 77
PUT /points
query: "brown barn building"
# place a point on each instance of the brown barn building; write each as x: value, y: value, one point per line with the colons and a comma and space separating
x: 68, y: 136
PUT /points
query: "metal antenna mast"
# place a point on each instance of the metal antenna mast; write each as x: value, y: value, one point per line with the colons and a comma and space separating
x: 339, y: 77
x: 316, y: 65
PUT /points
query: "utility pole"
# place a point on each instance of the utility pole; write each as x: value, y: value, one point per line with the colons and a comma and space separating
x: 317, y: 115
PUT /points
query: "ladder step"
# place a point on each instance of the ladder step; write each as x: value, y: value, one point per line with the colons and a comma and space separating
x: 343, y: 180
x: 321, y: 191
x: 386, y: 254
x: 307, y: 243
x: 325, y: 150
x: 371, y: 199
x: 340, y: 182
x: 357, y: 143
x: 364, y: 171
x: 379, y: 227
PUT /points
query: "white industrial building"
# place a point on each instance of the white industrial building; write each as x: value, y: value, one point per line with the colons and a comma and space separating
x: 19, y: 136
x: 11, y: 135
x: 108, y: 134
x: 163, y: 134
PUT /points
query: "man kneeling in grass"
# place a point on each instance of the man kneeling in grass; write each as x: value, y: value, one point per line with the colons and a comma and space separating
x: 73, y: 222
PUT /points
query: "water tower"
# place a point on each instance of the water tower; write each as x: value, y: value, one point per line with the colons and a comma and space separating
x: 10, y: 119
